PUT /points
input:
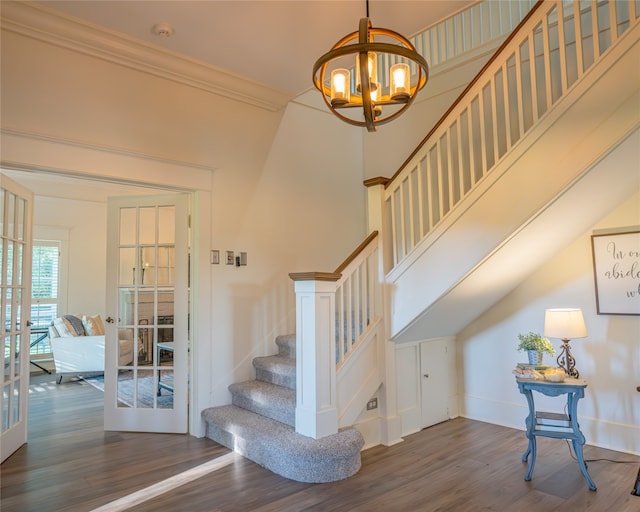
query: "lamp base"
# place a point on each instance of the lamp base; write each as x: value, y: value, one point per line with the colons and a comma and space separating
x: 636, y: 488
x: 566, y: 361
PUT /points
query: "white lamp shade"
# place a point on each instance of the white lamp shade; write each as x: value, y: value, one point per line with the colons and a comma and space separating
x: 400, y: 86
x: 565, y: 323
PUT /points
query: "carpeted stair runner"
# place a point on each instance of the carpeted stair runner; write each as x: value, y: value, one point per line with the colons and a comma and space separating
x: 277, y: 370
x: 275, y: 402
x: 260, y: 425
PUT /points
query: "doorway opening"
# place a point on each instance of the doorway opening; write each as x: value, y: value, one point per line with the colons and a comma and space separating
x: 76, y: 208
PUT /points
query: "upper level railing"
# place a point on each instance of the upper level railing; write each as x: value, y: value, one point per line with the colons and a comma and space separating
x: 462, y: 32
x: 552, y: 49
x: 469, y: 29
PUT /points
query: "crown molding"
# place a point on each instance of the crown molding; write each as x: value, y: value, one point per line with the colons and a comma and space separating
x: 89, y: 146
x: 55, y: 28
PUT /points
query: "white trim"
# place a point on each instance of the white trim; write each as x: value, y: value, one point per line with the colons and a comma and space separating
x: 604, y: 434
x: 61, y: 235
x: 33, y: 135
x: 201, y: 328
x: 26, y: 151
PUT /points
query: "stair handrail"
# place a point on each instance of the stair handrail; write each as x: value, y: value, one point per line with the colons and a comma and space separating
x: 498, y: 108
x: 462, y: 96
x: 357, y: 295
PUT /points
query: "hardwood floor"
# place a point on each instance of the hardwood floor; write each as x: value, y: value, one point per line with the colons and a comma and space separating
x: 71, y: 464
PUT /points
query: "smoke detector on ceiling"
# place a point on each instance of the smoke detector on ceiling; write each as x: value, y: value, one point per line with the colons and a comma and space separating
x: 163, y: 30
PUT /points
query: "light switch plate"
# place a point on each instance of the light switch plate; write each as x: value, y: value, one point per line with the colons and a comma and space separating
x: 215, y: 257
x: 230, y: 258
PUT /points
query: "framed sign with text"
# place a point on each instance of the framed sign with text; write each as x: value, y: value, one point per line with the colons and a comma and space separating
x: 616, y: 269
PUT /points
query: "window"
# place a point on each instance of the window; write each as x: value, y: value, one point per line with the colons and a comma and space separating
x: 45, y: 292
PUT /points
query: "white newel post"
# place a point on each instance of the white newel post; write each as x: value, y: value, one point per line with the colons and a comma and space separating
x: 316, y: 407
x: 379, y: 220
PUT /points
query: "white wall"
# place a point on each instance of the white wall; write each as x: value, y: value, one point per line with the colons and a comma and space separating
x: 302, y: 210
x: 609, y: 358
x: 286, y: 187
x: 85, y: 223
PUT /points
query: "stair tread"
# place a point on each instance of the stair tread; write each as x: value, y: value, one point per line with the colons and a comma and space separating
x: 270, y: 400
x: 264, y: 390
x: 260, y: 425
x: 280, y: 363
x: 279, y: 370
x: 281, y: 449
x: 287, y: 345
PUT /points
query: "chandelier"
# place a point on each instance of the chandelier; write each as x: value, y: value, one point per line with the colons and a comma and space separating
x: 346, y: 95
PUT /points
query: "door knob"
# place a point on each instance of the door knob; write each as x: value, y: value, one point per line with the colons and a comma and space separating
x: 109, y: 319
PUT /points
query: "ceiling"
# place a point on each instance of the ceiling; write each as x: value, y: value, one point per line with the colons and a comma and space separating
x: 270, y: 42
x: 273, y: 42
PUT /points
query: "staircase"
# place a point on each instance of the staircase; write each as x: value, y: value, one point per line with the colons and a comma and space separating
x: 537, y: 135
x: 532, y: 140
x: 259, y: 424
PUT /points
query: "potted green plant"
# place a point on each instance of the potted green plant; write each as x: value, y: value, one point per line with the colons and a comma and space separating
x: 536, y: 346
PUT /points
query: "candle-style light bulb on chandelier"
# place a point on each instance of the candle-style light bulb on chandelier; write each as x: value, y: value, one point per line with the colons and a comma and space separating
x: 379, y: 102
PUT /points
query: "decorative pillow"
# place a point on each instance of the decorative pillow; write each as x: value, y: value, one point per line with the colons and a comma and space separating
x: 93, y: 325
x: 61, y: 327
x: 53, y: 332
x: 73, y: 325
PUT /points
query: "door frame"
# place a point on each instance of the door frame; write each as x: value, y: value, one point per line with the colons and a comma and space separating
x: 199, y: 353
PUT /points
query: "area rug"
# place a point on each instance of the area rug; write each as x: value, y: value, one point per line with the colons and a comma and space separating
x: 147, y: 389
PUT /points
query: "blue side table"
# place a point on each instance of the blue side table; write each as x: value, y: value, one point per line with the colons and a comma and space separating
x: 574, y: 389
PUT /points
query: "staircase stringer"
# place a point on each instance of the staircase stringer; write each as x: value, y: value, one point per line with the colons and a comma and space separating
x: 360, y: 376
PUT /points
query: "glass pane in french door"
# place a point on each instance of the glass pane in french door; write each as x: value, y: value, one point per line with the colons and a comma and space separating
x: 146, y: 296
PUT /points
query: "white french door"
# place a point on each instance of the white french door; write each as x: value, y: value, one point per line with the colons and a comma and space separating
x: 147, y: 329
x: 16, y: 207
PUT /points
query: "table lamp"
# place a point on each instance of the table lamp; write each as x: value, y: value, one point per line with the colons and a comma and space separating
x: 566, y: 324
